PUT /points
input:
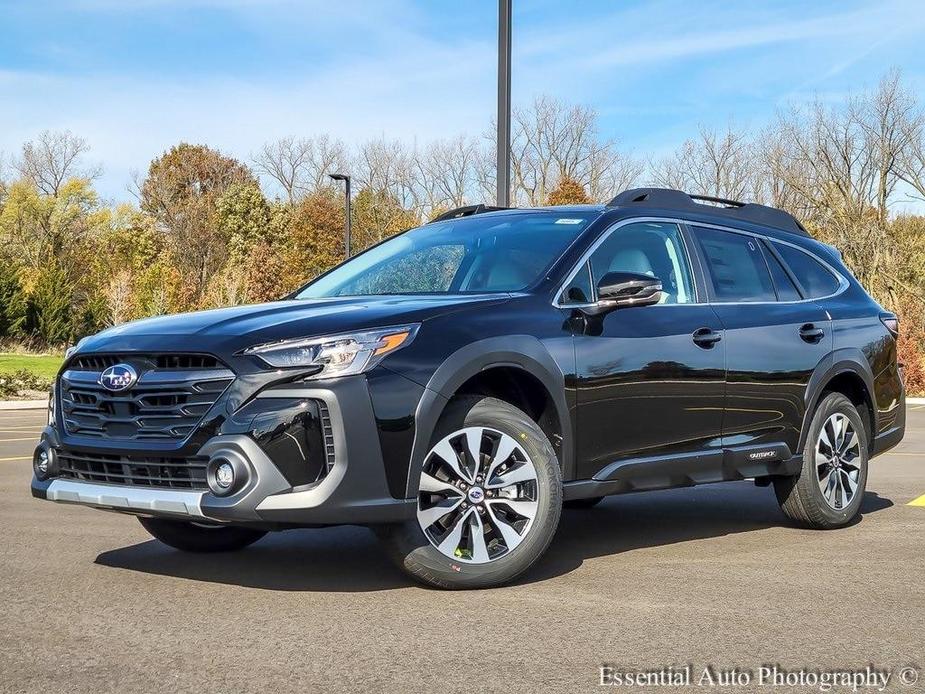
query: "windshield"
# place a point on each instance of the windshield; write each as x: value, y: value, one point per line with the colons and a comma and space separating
x: 492, y: 253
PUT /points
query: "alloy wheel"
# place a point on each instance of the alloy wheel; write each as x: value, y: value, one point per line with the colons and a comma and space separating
x: 478, y: 495
x: 838, y: 461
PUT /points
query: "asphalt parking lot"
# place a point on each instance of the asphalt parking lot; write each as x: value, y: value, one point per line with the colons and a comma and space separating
x: 705, y: 576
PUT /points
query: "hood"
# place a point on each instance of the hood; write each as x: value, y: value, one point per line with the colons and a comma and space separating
x: 228, y: 330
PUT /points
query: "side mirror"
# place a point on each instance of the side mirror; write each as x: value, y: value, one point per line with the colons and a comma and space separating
x: 619, y: 289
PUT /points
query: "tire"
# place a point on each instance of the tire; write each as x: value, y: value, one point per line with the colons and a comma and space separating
x: 487, y: 537
x: 583, y: 504
x: 844, y: 473
x: 191, y: 537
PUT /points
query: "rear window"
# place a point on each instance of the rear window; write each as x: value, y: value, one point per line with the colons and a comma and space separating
x: 815, y: 278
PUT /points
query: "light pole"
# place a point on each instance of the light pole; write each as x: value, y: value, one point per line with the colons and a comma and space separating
x: 504, y: 104
x: 346, y: 179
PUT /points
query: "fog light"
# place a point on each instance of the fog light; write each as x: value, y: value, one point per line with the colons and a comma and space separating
x: 224, y: 475
x: 227, y: 473
x: 43, y: 463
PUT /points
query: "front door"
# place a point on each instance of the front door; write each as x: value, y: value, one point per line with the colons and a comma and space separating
x: 650, y: 380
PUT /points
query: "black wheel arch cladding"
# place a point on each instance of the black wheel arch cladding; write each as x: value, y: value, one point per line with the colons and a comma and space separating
x: 521, y: 352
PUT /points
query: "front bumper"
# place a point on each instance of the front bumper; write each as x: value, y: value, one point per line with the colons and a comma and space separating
x: 354, y: 491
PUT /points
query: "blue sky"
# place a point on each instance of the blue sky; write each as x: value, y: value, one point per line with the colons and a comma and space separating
x: 136, y: 76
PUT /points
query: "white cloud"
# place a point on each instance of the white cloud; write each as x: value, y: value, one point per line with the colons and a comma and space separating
x: 383, y: 70
x: 129, y: 121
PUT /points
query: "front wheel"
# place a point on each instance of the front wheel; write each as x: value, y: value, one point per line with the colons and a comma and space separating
x: 198, y: 537
x: 830, y: 487
x: 489, y: 499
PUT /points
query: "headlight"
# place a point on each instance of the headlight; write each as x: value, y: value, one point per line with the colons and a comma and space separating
x: 336, y: 355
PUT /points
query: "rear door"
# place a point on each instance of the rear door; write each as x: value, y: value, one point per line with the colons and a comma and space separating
x: 775, y: 339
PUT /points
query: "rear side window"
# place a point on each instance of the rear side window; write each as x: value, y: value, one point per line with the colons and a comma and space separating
x: 737, y: 270
x: 786, y: 289
x: 816, y: 279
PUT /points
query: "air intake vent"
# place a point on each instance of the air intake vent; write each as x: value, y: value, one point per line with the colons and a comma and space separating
x: 175, y: 473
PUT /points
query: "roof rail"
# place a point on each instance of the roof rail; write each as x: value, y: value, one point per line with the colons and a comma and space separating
x: 669, y: 199
x: 466, y: 211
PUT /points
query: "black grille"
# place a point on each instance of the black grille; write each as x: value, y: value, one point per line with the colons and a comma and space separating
x: 177, y: 473
x: 93, y: 362
x: 186, y: 361
x: 172, y: 394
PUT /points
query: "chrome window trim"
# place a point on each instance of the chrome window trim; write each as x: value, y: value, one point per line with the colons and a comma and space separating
x: 843, y: 283
x: 586, y: 256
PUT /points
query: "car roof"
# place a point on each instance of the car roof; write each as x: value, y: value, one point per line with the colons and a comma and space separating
x: 666, y: 202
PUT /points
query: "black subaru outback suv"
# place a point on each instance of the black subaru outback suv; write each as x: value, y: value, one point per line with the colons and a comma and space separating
x: 456, y: 385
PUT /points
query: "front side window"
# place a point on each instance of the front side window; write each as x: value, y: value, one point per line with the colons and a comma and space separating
x: 647, y: 248
x: 736, y: 267
x: 478, y: 254
x: 817, y: 281
x: 578, y: 290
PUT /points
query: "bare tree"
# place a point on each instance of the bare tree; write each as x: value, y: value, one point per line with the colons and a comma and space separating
x: 890, y: 121
x: 486, y: 172
x: 911, y: 166
x: 300, y: 166
x: 4, y: 176
x: 387, y: 166
x: 611, y: 172
x: 551, y: 141
x: 119, y: 297
x: 910, y: 150
x: 445, y: 173
x: 839, y: 167
x: 52, y: 159
x: 715, y: 164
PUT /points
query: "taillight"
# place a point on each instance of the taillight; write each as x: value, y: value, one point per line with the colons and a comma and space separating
x: 891, y: 322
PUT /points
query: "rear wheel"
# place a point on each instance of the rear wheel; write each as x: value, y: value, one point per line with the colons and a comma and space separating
x: 489, y: 499
x: 200, y: 537
x: 830, y: 488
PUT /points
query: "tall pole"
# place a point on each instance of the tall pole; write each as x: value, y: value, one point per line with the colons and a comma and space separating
x: 348, y: 223
x: 504, y: 104
x: 349, y: 217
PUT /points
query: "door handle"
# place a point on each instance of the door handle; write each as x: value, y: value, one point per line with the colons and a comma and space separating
x: 810, y: 333
x: 706, y: 337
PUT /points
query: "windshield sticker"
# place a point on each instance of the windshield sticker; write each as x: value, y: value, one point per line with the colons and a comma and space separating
x: 566, y: 220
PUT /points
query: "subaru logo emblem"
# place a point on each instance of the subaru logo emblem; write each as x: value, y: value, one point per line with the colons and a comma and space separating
x: 476, y: 495
x: 118, y: 377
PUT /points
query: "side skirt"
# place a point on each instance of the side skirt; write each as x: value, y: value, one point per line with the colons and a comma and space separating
x: 686, y: 470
